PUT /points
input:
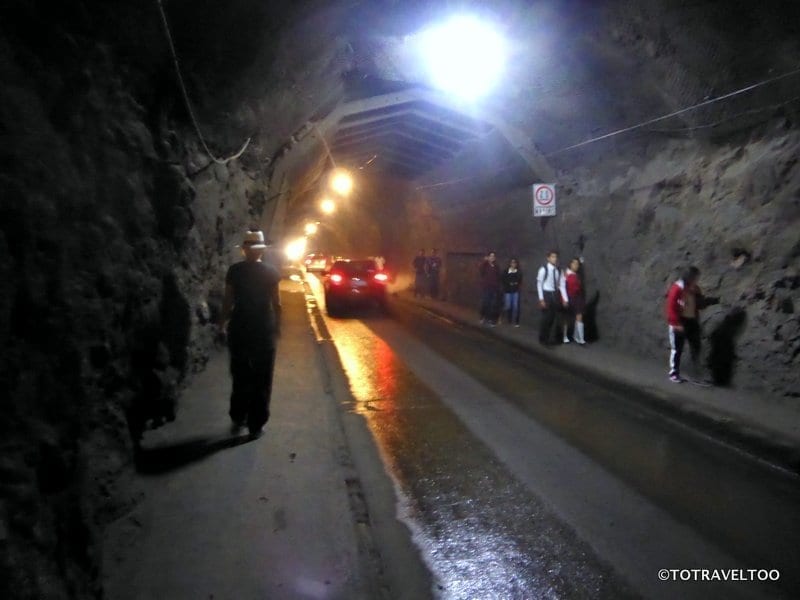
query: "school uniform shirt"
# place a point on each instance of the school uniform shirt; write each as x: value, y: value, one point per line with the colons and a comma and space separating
x: 573, y: 283
x: 550, y: 279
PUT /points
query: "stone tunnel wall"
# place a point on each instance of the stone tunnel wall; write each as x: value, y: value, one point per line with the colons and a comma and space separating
x: 115, y: 232
x: 731, y: 209
x: 112, y: 253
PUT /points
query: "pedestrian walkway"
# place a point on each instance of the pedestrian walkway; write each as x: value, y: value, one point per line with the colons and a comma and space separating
x: 225, y: 517
x: 765, y: 426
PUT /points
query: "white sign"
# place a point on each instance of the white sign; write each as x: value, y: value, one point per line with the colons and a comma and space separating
x: 544, y: 200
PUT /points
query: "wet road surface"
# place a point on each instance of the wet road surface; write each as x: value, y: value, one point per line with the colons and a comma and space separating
x: 522, y: 480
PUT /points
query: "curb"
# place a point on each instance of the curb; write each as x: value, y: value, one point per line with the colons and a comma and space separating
x: 381, y: 537
x: 758, y: 442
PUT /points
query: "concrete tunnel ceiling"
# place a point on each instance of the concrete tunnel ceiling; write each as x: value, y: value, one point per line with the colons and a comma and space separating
x: 569, y: 79
x: 405, y: 134
x: 400, y: 136
x: 403, y: 129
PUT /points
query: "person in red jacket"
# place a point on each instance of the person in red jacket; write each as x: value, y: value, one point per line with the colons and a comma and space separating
x: 577, y: 301
x: 675, y: 306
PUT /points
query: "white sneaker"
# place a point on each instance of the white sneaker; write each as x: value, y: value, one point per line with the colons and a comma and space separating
x: 566, y: 340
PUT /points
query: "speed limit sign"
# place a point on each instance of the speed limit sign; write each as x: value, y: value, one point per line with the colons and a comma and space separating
x: 544, y: 199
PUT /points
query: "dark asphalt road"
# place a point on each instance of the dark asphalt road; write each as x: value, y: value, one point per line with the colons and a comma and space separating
x: 519, y: 479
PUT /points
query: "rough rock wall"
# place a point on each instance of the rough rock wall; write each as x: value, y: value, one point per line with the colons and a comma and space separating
x: 115, y: 231
x: 732, y: 210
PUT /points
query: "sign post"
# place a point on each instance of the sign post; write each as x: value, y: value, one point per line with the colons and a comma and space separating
x: 544, y: 200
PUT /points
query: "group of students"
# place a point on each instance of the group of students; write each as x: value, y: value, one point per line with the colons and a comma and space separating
x: 562, y: 302
x: 560, y: 293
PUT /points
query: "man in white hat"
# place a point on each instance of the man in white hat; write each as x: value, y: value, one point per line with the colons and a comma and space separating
x: 251, y: 311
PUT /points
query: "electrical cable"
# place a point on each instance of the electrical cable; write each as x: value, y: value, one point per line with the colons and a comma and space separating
x: 752, y: 111
x: 644, y: 124
x: 677, y: 112
x: 220, y: 161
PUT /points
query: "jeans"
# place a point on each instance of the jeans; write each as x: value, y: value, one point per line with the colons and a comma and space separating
x: 511, y: 307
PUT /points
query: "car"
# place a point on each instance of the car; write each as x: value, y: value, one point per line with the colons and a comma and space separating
x: 316, y: 262
x: 351, y: 283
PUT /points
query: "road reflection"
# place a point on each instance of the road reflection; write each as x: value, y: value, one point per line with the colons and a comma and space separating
x: 481, y: 532
x: 371, y: 367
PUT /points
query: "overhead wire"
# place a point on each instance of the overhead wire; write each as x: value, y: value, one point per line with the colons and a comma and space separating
x: 732, y: 94
x: 678, y: 112
x: 752, y: 111
x: 182, y: 85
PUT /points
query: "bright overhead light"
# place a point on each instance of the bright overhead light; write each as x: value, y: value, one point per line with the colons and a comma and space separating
x: 310, y: 228
x: 465, y: 56
x: 342, y: 183
x: 296, y: 249
x: 327, y: 206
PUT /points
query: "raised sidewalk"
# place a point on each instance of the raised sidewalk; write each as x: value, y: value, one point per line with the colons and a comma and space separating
x: 767, y: 427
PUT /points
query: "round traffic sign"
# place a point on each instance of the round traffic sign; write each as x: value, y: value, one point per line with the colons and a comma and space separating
x: 545, y: 195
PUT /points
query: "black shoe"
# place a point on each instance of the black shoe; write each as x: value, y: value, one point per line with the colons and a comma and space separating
x: 255, y: 432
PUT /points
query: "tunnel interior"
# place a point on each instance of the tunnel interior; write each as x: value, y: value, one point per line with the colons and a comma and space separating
x: 669, y: 129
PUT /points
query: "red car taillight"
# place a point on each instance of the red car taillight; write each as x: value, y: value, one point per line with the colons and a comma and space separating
x: 382, y: 277
x: 336, y: 278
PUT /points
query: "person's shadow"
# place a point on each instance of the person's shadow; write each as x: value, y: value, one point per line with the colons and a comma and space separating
x: 155, y: 461
x: 722, y: 341
x: 590, y: 329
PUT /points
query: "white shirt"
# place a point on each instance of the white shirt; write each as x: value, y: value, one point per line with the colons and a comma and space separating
x: 546, y: 281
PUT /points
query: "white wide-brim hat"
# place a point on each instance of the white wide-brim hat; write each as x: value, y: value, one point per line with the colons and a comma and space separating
x: 254, y: 239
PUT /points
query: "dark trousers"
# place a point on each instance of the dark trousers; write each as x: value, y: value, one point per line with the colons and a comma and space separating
x: 694, y: 336
x: 490, y: 305
x: 549, y: 316
x: 433, y: 284
x: 252, y: 363
x: 420, y: 284
x: 676, y: 342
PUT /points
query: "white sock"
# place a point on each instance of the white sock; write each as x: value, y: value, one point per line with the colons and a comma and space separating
x: 579, y: 332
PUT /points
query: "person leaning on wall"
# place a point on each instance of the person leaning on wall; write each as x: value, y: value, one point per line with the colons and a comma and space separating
x: 251, y: 321
x: 694, y: 301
